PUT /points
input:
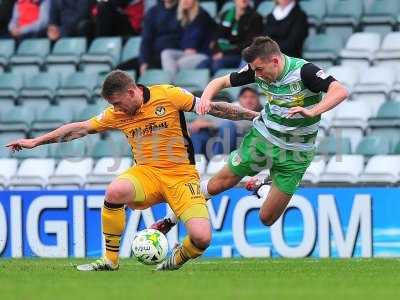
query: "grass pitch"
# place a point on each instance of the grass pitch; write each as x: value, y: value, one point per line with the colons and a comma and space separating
x: 294, y: 279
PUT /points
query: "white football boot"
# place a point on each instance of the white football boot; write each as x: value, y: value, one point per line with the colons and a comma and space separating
x: 102, y: 264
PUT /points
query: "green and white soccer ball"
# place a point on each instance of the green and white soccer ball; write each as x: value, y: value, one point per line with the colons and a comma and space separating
x: 150, y: 246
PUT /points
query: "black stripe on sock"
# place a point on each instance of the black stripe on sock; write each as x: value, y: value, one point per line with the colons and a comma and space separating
x: 112, y: 205
x: 111, y: 246
x: 111, y: 250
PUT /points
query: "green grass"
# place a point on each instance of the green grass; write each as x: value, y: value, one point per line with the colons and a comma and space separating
x: 205, y: 279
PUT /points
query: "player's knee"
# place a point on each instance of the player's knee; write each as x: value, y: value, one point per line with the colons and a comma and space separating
x: 201, y: 239
x: 268, y: 219
x: 115, y: 194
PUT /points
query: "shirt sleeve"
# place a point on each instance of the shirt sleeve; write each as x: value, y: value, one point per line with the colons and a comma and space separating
x: 245, y: 76
x: 40, y: 23
x: 104, y: 121
x: 181, y: 98
x: 315, y: 79
x: 148, y: 33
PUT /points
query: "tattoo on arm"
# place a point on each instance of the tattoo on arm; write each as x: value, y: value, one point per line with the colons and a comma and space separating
x: 230, y: 111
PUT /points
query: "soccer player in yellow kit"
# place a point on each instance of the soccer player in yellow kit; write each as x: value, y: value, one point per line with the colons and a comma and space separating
x: 152, y: 118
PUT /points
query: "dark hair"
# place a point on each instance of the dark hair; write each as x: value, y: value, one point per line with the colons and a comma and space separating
x: 116, y: 81
x: 261, y: 47
x: 248, y: 89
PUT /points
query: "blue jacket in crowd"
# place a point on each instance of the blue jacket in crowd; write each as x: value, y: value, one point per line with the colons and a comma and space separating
x: 161, y: 30
x: 68, y: 13
x: 198, y: 34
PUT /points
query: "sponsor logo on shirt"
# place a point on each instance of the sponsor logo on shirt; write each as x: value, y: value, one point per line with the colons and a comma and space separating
x: 148, y: 129
x: 321, y: 74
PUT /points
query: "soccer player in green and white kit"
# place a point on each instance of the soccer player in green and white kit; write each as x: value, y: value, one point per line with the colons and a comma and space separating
x: 282, y: 138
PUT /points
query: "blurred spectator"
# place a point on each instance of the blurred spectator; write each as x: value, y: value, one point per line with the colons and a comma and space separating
x: 230, y: 132
x: 6, y: 8
x: 119, y: 17
x: 29, y: 18
x: 161, y: 30
x: 288, y: 26
x: 149, y: 4
x: 202, y: 129
x: 69, y: 18
x: 211, y: 135
x: 198, y: 28
x: 237, y: 28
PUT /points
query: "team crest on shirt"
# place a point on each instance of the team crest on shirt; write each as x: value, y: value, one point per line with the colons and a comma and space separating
x: 295, y: 87
x: 160, y: 111
x: 236, y: 159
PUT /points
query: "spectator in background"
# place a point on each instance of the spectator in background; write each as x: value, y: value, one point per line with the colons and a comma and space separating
x: 198, y: 28
x: 211, y: 135
x: 149, y: 4
x: 237, y: 28
x: 119, y: 17
x: 29, y: 18
x: 69, y: 18
x: 288, y: 26
x: 229, y: 132
x: 202, y: 129
x: 6, y: 8
x: 161, y: 30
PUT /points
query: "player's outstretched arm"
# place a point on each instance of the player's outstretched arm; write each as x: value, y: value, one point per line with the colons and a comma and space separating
x: 230, y: 111
x: 210, y: 91
x: 64, y: 133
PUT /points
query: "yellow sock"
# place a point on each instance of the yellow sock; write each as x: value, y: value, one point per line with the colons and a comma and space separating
x: 187, y: 251
x: 113, y: 222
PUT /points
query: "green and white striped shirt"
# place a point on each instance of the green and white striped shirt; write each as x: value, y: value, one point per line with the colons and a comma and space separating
x: 300, y: 84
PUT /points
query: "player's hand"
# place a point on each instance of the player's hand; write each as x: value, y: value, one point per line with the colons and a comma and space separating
x: 18, y: 145
x: 53, y: 32
x: 204, y: 106
x: 199, y: 124
x: 308, y: 113
x: 15, y: 32
x: 218, y: 56
x: 143, y: 68
x: 190, y: 51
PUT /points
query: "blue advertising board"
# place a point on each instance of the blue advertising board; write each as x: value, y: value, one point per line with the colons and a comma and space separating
x: 320, y: 222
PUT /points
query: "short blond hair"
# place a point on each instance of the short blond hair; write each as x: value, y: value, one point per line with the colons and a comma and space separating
x: 115, y: 82
x: 185, y: 17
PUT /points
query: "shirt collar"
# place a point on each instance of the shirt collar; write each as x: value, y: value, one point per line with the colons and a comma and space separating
x: 285, y: 68
x: 281, y: 13
x: 146, y: 93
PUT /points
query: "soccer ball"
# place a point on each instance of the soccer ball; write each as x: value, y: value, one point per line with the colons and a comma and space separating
x: 150, y: 246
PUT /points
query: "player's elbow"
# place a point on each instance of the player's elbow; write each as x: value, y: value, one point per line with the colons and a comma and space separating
x: 221, y: 82
x: 341, y: 90
x: 345, y: 92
